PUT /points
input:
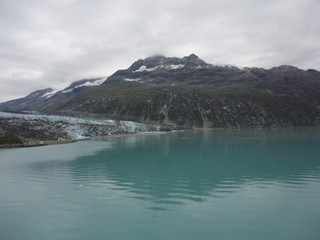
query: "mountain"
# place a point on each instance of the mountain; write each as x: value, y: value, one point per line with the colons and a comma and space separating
x: 189, y: 92
x: 43, y: 99
x: 159, y: 70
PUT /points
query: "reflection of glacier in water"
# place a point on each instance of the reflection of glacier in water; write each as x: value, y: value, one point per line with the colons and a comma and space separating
x: 60, y: 152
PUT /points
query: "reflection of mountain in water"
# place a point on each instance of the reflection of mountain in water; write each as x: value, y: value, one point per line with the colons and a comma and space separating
x: 169, y: 169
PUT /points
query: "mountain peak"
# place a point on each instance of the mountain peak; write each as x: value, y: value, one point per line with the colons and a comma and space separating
x: 193, y: 56
x: 162, y: 63
x: 285, y: 68
x: 155, y: 57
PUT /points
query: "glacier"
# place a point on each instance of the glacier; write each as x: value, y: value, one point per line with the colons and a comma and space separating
x: 53, y: 127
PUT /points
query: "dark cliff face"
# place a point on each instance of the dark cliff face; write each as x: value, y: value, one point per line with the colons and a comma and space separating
x: 192, y: 93
x: 197, y: 107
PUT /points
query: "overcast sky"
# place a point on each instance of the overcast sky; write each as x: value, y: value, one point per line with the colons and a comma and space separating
x: 51, y: 43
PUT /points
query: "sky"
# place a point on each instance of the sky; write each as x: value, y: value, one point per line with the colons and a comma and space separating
x: 51, y: 43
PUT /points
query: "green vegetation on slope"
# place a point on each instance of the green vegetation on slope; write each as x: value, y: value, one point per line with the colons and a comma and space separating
x: 10, y: 139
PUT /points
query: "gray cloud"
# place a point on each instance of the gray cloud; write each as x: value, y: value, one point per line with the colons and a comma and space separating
x: 47, y: 43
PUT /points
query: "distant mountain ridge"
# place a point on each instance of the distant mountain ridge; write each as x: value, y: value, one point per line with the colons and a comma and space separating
x: 188, y: 92
x: 39, y: 99
x: 162, y: 70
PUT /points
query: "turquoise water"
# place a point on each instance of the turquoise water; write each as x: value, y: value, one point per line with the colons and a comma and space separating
x: 222, y: 184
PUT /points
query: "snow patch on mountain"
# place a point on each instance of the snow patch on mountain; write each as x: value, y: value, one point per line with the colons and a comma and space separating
x: 132, y: 79
x: 92, y: 84
x: 174, y: 66
x: 68, y: 90
x: 86, y: 84
x: 144, y: 68
x: 49, y: 94
x: 227, y: 66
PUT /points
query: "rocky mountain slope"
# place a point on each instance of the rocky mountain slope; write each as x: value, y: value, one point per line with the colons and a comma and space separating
x: 189, y: 92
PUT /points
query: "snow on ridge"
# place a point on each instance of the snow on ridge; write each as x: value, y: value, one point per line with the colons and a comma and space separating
x: 49, y: 94
x: 174, y: 66
x: 144, y: 68
x: 92, y: 84
x: 227, y: 65
x: 68, y: 90
x: 86, y: 84
x: 132, y: 79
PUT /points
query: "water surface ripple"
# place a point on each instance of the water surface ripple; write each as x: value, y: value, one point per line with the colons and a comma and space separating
x: 219, y: 184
